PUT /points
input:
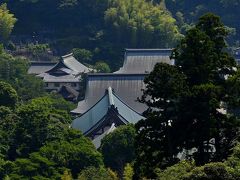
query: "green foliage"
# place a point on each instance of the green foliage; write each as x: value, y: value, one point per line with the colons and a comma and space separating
x: 83, y: 55
x: 66, y: 176
x: 7, y: 21
x: 58, y: 105
x: 187, y: 103
x: 29, y: 87
x: 234, y: 160
x: 75, y: 154
x: 155, y: 143
x: 5, y: 168
x: 4, y: 112
x: 211, y: 171
x: 118, y: 148
x: 140, y: 23
x: 104, y: 27
x: 192, y: 10
x: 128, y: 172
x: 176, y: 172
x: 8, y: 96
x: 36, y: 167
x: 38, y: 122
x: 14, y: 71
x: 102, y: 67
x: 202, y: 57
x: 93, y: 173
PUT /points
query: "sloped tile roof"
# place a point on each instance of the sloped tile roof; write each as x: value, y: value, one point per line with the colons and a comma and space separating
x: 98, y: 112
x: 126, y: 86
x: 138, y: 61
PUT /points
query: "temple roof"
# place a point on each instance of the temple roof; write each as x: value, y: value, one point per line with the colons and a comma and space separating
x: 69, y: 62
x: 99, y: 112
x: 138, y: 61
x: 126, y: 86
x: 40, y: 67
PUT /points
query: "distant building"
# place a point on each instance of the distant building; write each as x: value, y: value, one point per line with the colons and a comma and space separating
x: 111, y: 99
x: 127, y: 82
x: 67, y: 72
x: 140, y: 61
x: 108, y: 113
x: 126, y: 86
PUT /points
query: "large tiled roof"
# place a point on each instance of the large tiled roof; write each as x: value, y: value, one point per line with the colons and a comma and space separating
x: 98, y: 112
x: 40, y: 67
x: 126, y: 86
x: 139, y: 61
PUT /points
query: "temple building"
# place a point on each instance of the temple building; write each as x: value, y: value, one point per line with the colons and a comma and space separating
x: 111, y: 99
x: 127, y: 82
x: 67, y: 72
x: 103, y: 117
x: 126, y: 86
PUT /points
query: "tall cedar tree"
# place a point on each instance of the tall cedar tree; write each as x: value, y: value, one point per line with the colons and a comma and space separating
x: 187, y: 105
x: 155, y: 145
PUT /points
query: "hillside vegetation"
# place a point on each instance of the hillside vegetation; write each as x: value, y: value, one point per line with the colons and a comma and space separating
x: 106, y: 27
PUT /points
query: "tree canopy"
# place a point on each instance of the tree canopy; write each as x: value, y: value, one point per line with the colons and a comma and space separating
x: 7, y: 21
x: 188, y: 103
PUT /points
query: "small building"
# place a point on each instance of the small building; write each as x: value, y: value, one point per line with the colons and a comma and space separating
x: 67, y: 72
x: 103, y: 117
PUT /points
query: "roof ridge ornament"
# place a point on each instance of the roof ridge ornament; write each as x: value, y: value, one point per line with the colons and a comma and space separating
x: 110, y: 96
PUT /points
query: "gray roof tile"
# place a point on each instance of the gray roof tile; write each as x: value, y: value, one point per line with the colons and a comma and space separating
x: 126, y: 86
x: 138, y: 61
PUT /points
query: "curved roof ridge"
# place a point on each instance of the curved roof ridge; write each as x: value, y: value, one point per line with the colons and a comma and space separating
x: 67, y: 55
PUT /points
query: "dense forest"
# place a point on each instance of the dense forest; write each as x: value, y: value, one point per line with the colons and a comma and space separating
x: 191, y: 130
x: 106, y: 27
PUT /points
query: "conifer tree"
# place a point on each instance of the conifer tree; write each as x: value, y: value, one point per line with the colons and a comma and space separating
x: 189, y: 103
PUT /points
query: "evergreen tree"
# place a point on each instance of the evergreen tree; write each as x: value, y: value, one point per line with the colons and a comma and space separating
x: 189, y: 103
x: 155, y: 143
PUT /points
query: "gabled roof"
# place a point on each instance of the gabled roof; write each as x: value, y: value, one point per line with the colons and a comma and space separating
x: 139, y: 61
x: 40, y: 67
x: 97, y: 114
x: 69, y: 62
x: 73, y: 64
x: 126, y: 86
